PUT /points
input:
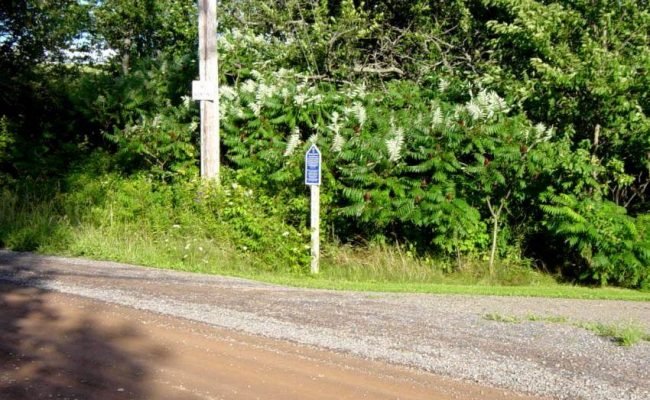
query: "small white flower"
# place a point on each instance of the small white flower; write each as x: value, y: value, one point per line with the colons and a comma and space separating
x: 256, y: 108
x: 338, y: 143
x: 474, y: 110
x: 313, y: 138
x: 284, y: 93
x: 443, y: 85
x: 300, y: 99
x: 294, y: 141
x: 395, y: 144
x: 283, y: 73
x: 264, y: 91
x: 357, y: 91
x: 550, y: 132
x: 249, y: 86
x: 225, y: 44
x: 256, y: 74
x: 239, y: 113
x: 227, y: 92
x: 176, y: 226
x: 436, y: 118
x: 359, y: 113
x: 285, y: 234
x: 540, y: 130
x: 498, y: 103
x: 236, y: 34
x: 317, y: 99
x: 334, y: 125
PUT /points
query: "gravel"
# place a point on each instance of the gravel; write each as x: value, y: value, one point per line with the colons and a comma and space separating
x: 443, y: 334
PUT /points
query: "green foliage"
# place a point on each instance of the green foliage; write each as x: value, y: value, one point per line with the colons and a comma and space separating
x: 579, y: 66
x: 604, y: 237
x: 442, y: 125
x: 32, y: 31
x: 144, y: 28
x: 190, y: 212
x: 6, y: 138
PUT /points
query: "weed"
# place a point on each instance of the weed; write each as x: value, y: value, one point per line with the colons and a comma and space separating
x: 624, y: 334
x: 494, y: 316
x: 556, y: 319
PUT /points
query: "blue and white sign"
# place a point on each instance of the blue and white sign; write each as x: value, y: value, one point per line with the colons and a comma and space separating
x: 313, y: 163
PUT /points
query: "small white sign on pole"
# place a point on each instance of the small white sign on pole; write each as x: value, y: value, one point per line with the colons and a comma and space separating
x: 313, y: 163
x: 204, y: 91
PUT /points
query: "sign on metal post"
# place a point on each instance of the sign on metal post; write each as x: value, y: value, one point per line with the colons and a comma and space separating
x: 313, y: 162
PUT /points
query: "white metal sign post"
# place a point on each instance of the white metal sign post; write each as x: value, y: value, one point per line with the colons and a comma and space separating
x: 313, y: 162
x: 207, y: 89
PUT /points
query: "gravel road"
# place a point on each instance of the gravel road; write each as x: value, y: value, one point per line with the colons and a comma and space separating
x: 443, y: 334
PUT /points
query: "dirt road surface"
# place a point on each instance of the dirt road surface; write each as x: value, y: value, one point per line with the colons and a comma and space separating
x: 76, y: 329
x: 64, y: 346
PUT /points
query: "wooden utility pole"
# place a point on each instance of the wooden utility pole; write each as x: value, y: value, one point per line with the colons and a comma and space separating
x: 207, y: 89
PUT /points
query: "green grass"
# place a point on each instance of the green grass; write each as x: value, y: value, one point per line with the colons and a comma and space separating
x: 127, y: 224
x: 556, y: 319
x: 494, y: 316
x: 624, y: 334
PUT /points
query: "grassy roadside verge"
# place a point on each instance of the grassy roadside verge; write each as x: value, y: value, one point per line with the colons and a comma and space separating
x: 233, y: 265
x: 132, y: 221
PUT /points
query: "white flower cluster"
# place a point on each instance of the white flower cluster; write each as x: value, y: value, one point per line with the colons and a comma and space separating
x: 436, y: 117
x: 292, y: 144
x: 355, y: 92
x: 249, y: 86
x: 542, y: 133
x: 225, y: 44
x: 261, y: 91
x: 357, y: 111
x: 338, y: 142
x: 334, y: 125
x: 443, y: 85
x: 395, y: 143
x: 306, y: 94
x: 486, y: 105
x: 227, y: 93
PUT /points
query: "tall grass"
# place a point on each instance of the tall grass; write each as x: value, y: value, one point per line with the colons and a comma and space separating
x: 396, y: 263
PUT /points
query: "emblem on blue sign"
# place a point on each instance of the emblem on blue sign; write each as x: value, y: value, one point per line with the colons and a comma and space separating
x: 312, y: 166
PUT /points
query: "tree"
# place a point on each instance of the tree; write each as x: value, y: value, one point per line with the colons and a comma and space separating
x: 140, y: 29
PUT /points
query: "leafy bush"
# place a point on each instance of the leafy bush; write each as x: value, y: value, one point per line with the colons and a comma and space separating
x: 607, y: 242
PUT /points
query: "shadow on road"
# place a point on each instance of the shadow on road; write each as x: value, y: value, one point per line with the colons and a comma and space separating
x: 49, y: 349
